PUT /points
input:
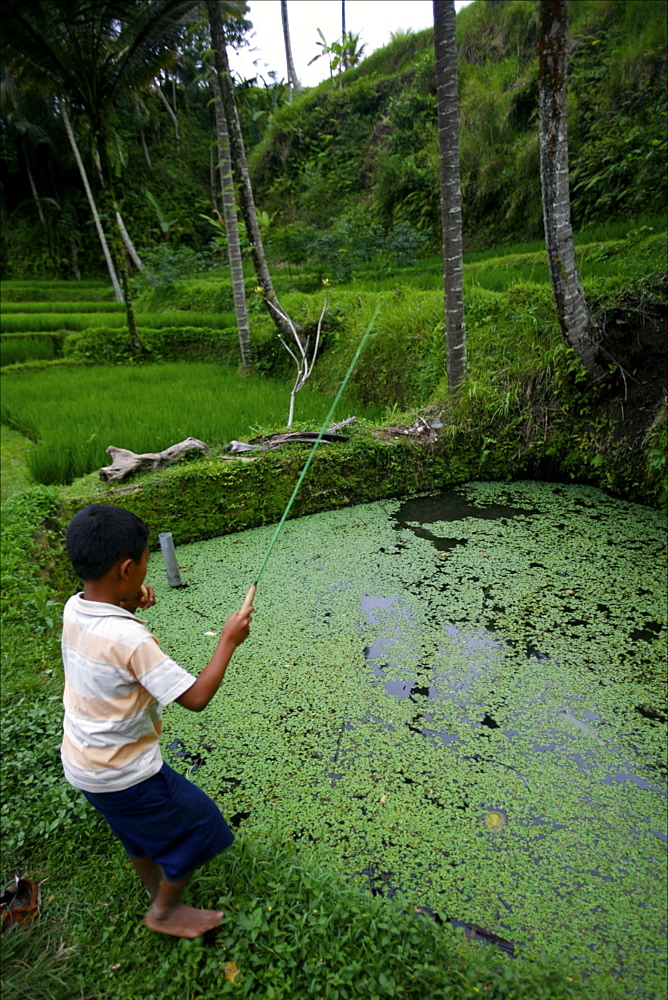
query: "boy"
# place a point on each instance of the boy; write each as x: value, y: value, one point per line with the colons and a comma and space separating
x: 117, y: 681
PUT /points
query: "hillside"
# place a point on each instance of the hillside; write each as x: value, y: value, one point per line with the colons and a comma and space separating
x: 358, y: 161
x: 371, y: 144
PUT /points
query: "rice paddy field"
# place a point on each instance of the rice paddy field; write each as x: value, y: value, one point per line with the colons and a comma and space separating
x: 74, y: 414
x: 43, y: 321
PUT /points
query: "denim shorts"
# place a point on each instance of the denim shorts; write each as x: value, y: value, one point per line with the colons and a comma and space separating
x: 167, y: 819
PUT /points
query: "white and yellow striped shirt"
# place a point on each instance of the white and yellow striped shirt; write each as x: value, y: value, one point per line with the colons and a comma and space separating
x: 117, y: 679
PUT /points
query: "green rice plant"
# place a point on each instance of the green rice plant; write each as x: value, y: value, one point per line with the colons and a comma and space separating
x: 498, y: 279
x: 83, y: 306
x: 22, y: 423
x: 29, y: 322
x: 16, y: 349
x: 56, y: 291
x: 77, y: 413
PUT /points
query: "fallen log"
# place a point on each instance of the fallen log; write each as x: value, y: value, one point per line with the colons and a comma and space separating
x: 124, y: 462
x: 277, y: 440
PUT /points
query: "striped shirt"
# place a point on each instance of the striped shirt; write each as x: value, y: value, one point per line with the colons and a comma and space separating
x: 117, y: 679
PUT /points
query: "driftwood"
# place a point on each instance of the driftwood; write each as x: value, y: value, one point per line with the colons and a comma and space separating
x: 124, y: 462
x: 277, y: 440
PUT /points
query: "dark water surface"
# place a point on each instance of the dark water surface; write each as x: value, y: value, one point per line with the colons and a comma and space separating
x: 462, y: 697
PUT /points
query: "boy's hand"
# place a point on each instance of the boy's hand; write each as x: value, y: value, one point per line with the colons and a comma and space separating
x: 144, y: 598
x: 206, y: 684
x: 237, y: 626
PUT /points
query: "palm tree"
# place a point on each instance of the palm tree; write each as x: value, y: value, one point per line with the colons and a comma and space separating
x: 92, y: 54
x: 238, y: 151
x: 569, y: 300
x: 293, y: 80
x: 91, y: 202
x: 451, y: 201
x: 232, y: 227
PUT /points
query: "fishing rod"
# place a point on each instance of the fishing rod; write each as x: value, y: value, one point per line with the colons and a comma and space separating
x: 248, y: 600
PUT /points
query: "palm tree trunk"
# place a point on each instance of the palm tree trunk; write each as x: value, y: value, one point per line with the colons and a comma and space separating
x: 144, y: 147
x: 451, y: 201
x: 232, y: 228
x: 169, y: 110
x: 129, y: 245
x: 33, y: 186
x: 91, y: 201
x: 293, y: 81
x: 569, y: 300
x: 241, y: 170
x: 101, y: 158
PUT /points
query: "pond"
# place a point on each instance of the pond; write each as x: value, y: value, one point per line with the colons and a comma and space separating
x: 460, y: 698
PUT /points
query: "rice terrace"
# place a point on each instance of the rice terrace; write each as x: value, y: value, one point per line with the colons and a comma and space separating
x: 423, y: 421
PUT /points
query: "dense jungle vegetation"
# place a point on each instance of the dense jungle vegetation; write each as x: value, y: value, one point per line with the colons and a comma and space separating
x: 343, y: 169
x: 347, y: 192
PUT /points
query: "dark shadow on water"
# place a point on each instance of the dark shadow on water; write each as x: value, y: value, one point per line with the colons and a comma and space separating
x: 452, y: 506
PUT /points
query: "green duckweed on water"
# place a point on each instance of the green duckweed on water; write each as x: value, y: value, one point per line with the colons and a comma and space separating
x: 462, y: 697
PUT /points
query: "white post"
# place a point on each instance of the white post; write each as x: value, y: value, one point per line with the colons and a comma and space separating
x: 169, y: 555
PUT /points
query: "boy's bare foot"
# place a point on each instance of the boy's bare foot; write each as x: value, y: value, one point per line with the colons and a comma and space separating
x: 183, y: 921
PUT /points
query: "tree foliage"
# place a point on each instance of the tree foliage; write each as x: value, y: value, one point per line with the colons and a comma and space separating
x: 369, y: 145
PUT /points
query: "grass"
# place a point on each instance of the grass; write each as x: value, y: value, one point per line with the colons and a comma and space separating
x: 14, y: 350
x: 84, y: 306
x: 75, y: 414
x: 16, y: 449
x: 46, y: 291
x: 45, y: 321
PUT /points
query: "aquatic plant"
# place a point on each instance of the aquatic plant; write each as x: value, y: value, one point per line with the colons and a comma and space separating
x: 415, y: 669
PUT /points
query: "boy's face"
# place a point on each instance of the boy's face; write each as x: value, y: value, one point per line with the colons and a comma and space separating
x: 136, y: 573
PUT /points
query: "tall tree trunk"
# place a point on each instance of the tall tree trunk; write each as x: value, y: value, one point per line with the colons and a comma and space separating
x: 451, y: 200
x: 241, y: 170
x: 33, y: 186
x: 232, y: 228
x: 569, y: 300
x: 169, y: 111
x: 293, y: 81
x: 129, y: 245
x: 343, y: 35
x: 91, y: 201
x: 101, y: 159
x: 144, y: 147
x: 212, y: 172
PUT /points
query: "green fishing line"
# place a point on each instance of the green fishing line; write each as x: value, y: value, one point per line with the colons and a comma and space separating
x: 316, y: 443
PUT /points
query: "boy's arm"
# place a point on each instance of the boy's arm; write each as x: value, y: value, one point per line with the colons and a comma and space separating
x: 207, y: 683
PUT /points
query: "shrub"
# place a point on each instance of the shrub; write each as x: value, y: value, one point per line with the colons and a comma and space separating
x: 113, y: 345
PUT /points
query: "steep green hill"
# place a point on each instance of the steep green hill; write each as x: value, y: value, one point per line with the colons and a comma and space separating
x: 372, y: 142
x: 357, y: 161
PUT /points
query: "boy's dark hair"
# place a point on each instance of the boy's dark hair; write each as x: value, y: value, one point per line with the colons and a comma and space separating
x: 100, y: 535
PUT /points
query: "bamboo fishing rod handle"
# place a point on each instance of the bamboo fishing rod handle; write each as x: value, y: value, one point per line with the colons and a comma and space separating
x: 248, y: 599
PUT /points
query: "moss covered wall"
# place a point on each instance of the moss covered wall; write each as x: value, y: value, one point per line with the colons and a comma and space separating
x: 212, y: 496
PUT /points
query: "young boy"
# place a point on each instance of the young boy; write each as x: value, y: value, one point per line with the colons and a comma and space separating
x: 117, y: 681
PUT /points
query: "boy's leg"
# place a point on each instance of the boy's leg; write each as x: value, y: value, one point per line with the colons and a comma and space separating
x: 169, y: 915
x: 150, y: 873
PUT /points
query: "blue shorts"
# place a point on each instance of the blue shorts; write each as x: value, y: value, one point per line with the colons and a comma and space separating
x: 167, y: 819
